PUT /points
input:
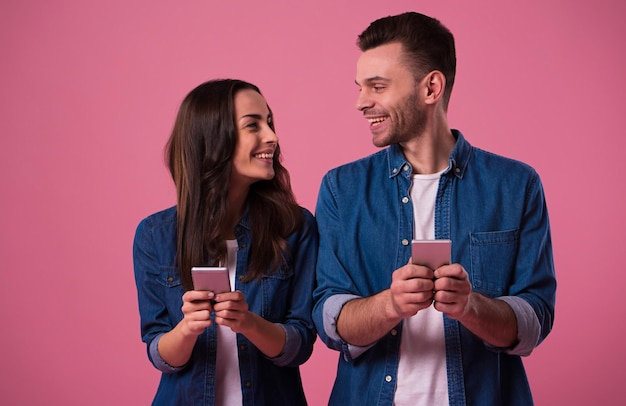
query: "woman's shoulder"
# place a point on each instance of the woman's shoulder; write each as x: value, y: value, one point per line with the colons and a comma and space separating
x: 156, y: 237
x: 309, y: 224
x: 163, y: 218
x: 307, y: 214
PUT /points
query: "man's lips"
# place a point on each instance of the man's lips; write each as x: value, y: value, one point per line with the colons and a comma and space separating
x: 376, y: 120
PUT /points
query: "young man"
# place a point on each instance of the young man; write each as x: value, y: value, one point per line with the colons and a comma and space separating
x: 410, y: 335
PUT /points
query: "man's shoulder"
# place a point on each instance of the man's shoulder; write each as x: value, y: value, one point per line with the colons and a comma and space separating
x: 474, y: 158
x: 357, y: 166
x: 497, y: 161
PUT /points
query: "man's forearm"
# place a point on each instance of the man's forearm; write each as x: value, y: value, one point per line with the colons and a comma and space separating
x: 492, y: 320
x: 364, y: 321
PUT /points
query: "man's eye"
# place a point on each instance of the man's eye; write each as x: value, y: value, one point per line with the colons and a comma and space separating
x: 378, y: 88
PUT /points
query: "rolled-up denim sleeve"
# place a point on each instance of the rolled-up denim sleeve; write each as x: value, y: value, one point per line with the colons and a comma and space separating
x: 528, y: 328
x: 152, y: 308
x: 532, y: 293
x: 159, y: 362
x: 332, y: 309
x: 293, y: 343
x: 299, y: 329
x: 334, y: 284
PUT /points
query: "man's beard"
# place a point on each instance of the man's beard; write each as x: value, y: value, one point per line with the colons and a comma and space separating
x: 407, y: 120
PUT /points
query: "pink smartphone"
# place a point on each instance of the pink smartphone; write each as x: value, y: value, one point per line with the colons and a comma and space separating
x: 431, y: 253
x: 211, y: 278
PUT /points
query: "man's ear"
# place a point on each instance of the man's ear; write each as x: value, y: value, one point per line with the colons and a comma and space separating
x: 434, y: 84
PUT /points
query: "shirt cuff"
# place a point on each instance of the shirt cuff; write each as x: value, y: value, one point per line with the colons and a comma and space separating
x: 293, y: 341
x: 528, y: 327
x: 159, y: 362
x: 332, y: 308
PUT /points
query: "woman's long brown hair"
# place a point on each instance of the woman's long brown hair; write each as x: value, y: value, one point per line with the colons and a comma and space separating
x: 199, y: 155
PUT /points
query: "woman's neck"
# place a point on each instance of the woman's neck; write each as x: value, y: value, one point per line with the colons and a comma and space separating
x: 236, y: 204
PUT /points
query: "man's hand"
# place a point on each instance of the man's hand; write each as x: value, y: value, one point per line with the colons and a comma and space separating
x: 411, y: 290
x: 452, y: 290
x: 492, y: 320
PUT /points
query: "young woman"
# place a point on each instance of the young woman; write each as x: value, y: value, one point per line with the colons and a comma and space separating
x: 235, y: 208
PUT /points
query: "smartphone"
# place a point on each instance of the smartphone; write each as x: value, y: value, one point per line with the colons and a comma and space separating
x: 215, y: 279
x: 431, y: 253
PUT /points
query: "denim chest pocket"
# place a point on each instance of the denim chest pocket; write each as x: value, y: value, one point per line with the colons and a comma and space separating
x: 168, y: 277
x: 276, y: 290
x: 173, y: 291
x: 493, y: 256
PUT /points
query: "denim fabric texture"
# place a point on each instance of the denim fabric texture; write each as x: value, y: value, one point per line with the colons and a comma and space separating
x: 283, y: 297
x: 493, y: 209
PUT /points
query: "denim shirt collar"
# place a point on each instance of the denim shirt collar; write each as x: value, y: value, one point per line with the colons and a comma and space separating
x: 457, y: 163
x: 460, y: 156
x: 245, y: 218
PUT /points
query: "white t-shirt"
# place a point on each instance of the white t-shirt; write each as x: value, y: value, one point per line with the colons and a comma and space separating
x: 228, y: 379
x: 422, y: 377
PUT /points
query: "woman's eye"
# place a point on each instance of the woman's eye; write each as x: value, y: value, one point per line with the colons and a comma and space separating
x: 252, y: 126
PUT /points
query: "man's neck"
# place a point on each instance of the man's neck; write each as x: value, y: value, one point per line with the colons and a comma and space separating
x: 429, y: 151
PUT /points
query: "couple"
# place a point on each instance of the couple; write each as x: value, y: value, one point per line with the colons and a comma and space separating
x: 407, y: 334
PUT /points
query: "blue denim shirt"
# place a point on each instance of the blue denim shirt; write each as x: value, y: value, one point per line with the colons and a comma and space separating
x: 493, y: 210
x: 283, y: 297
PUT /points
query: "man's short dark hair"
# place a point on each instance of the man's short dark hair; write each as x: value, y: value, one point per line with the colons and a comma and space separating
x: 428, y: 44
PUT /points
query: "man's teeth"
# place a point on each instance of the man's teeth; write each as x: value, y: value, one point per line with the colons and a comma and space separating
x: 264, y: 156
x: 376, y: 120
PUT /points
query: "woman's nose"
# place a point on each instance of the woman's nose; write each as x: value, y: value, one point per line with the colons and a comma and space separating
x: 270, y: 136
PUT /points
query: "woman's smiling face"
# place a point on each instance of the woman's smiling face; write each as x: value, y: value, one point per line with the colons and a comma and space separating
x: 253, y: 159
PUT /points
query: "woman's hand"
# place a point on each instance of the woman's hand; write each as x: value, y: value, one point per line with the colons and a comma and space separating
x: 176, y: 346
x: 231, y: 310
x: 197, y: 308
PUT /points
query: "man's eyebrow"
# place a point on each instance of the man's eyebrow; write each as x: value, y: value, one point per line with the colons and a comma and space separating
x: 373, y: 79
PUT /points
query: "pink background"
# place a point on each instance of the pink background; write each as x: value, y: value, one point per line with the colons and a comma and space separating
x: 89, y: 90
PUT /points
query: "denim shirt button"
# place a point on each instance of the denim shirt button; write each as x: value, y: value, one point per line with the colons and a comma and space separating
x: 394, y: 332
x: 170, y: 279
x: 248, y: 384
x: 243, y: 347
x: 405, y: 199
x: 395, y: 170
x: 405, y: 168
x: 240, y: 277
x: 405, y: 242
x: 388, y: 378
x: 244, y: 245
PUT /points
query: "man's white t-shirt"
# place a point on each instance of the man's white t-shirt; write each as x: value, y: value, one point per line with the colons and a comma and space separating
x: 422, y: 377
